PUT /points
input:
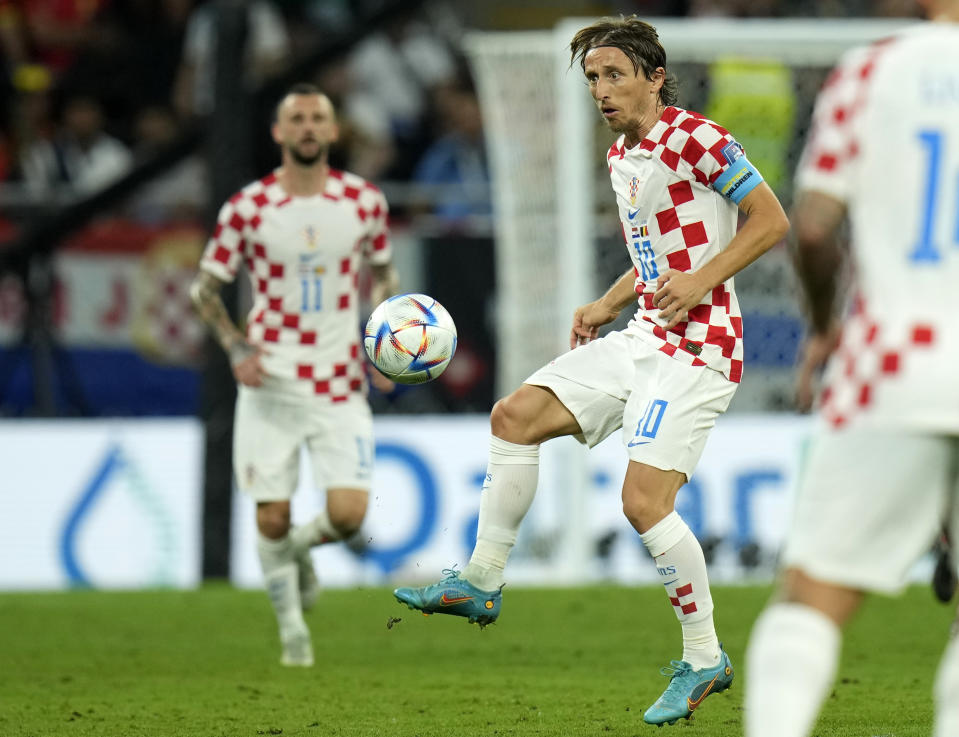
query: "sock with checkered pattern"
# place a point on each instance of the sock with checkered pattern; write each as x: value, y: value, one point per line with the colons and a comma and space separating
x: 791, y: 663
x: 682, y: 569
x: 508, y: 491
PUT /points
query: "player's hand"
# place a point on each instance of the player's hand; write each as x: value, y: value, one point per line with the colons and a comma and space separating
x: 816, y: 350
x: 380, y: 381
x: 247, y: 365
x: 677, y: 292
x: 587, y: 320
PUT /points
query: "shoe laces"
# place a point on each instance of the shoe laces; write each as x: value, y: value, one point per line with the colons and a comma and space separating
x: 451, y: 573
x: 675, y: 670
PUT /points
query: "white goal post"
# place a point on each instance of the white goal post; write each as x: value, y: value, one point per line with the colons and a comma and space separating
x: 548, y: 179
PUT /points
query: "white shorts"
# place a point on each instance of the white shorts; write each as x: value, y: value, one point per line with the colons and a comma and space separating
x: 270, y: 429
x: 665, y: 408
x: 870, y: 504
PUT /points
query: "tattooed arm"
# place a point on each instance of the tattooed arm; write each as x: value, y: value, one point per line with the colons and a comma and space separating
x: 385, y: 283
x: 244, y: 358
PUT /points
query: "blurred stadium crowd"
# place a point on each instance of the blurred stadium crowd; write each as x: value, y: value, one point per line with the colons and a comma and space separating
x: 92, y: 85
x: 89, y: 85
x: 90, y: 89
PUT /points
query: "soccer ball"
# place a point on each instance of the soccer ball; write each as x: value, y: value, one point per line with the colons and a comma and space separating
x: 410, y: 338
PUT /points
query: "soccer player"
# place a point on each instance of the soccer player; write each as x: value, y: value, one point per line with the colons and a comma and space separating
x: 303, y: 232
x: 884, y: 149
x: 680, y: 181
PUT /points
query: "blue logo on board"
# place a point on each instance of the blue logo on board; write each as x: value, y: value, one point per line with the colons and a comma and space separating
x: 121, y: 473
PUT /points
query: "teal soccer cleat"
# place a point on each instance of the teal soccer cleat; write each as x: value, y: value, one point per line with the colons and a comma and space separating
x: 454, y: 595
x: 687, y: 689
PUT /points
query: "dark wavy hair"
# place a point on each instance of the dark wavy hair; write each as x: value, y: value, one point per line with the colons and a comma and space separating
x: 635, y: 38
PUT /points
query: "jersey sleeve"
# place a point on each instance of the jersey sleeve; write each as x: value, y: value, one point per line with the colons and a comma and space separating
x: 703, y: 151
x: 716, y: 158
x: 377, y: 247
x: 828, y: 160
x: 227, y: 245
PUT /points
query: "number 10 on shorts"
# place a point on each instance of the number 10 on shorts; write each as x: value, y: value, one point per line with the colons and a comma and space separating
x: 648, y: 424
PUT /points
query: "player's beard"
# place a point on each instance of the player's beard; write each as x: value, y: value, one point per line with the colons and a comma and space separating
x: 307, y: 160
x: 629, y: 127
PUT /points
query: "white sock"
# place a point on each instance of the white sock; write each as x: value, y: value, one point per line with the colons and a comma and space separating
x: 791, y: 663
x: 317, y: 531
x: 280, y: 577
x: 508, y: 491
x: 682, y: 569
x: 947, y: 686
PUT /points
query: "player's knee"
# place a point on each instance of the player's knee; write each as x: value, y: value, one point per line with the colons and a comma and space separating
x: 811, y: 232
x: 347, y: 517
x: 506, y: 420
x: 273, y: 519
x: 634, y: 508
x: 517, y: 418
x: 642, y: 510
x: 837, y: 602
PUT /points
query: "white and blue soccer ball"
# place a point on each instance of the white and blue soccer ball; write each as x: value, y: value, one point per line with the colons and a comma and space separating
x: 410, y: 338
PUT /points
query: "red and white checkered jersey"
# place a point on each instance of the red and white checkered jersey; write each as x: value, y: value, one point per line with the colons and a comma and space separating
x: 303, y: 256
x: 677, y: 193
x: 885, y: 141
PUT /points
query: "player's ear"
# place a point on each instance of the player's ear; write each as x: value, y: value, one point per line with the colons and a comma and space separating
x: 335, y: 135
x: 275, y: 132
x: 658, y: 78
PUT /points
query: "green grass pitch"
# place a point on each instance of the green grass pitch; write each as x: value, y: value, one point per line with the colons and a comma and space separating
x: 559, y: 662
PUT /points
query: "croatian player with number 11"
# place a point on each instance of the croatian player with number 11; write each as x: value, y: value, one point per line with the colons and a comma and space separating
x: 303, y: 233
x: 680, y: 181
